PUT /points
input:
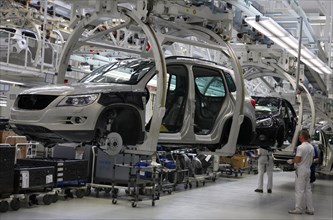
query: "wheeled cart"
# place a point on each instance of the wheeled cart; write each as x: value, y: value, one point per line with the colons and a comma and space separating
x: 23, y: 184
x: 102, y: 172
x: 173, y: 172
x: 33, y: 185
x: 142, y: 183
x: 201, y: 179
x: 229, y: 170
x: 69, y: 177
x: 235, y: 165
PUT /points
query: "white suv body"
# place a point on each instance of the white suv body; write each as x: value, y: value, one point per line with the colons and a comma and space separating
x: 199, y: 106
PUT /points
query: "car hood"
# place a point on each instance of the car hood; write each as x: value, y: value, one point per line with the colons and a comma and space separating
x: 78, y: 88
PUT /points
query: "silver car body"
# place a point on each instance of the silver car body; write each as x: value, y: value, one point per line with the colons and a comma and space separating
x: 54, y: 122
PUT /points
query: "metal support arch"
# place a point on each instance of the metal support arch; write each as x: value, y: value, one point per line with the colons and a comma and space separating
x: 69, y: 46
x: 299, y: 54
x: 238, y: 117
x: 149, y: 145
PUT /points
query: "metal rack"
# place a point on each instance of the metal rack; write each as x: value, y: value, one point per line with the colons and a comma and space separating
x: 142, y: 183
x: 92, y: 184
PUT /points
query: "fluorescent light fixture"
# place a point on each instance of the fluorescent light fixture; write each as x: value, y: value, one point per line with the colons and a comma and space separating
x: 11, y: 82
x: 284, y: 39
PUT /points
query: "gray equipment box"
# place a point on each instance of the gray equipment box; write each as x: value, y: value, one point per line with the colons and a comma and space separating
x: 70, y: 151
x: 105, y: 167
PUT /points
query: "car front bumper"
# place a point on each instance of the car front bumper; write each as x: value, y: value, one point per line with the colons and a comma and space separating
x: 57, y: 124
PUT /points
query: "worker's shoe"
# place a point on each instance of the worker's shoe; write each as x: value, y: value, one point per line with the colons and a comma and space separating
x: 259, y: 190
x: 269, y: 191
x: 295, y: 211
x: 309, y: 212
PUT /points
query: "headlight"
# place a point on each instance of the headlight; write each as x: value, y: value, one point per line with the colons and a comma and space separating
x: 78, y: 100
x: 265, y: 122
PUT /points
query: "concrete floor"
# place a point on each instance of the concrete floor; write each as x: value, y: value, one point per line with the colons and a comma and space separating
x: 227, y: 198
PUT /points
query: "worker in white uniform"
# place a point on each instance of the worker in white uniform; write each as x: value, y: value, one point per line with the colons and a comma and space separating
x: 265, y: 164
x: 303, y: 161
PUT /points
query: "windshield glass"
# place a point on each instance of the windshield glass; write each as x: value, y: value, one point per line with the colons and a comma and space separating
x: 267, y: 104
x: 123, y: 72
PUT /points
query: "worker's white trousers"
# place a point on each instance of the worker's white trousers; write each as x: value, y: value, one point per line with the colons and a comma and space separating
x: 265, y: 164
x: 303, y: 193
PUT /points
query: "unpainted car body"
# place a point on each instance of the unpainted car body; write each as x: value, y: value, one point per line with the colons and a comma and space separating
x: 276, y: 121
x: 199, y: 106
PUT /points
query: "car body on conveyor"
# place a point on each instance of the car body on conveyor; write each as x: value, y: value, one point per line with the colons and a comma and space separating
x: 114, y: 99
x: 276, y: 121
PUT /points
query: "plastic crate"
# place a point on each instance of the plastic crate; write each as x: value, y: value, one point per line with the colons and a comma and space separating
x: 67, y: 172
x: 33, y: 179
x: 7, y: 160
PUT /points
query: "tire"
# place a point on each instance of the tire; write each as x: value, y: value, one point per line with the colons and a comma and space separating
x: 47, y: 199
x: 4, y: 206
x: 55, y: 198
x: 80, y: 193
x: 15, y: 204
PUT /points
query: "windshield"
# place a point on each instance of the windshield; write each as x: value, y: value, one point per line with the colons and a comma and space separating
x: 267, y: 104
x: 123, y: 72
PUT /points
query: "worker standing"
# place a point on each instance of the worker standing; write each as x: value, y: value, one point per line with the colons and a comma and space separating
x: 265, y: 164
x: 303, y: 161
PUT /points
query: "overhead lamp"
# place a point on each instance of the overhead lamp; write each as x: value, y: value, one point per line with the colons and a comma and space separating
x: 11, y: 82
x: 284, y: 39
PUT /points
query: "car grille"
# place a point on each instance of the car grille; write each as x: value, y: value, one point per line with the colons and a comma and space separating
x: 34, y: 102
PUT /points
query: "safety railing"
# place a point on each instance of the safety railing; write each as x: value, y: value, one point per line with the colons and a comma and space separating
x: 23, y: 48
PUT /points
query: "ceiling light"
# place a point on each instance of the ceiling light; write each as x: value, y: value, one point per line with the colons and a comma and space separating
x: 284, y: 39
x: 11, y: 82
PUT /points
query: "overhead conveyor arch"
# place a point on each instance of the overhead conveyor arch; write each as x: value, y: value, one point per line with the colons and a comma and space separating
x: 149, y: 145
x: 156, y: 39
x: 238, y: 116
x: 280, y: 73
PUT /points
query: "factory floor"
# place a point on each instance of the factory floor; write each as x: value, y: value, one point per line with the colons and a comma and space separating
x: 228, y: 198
